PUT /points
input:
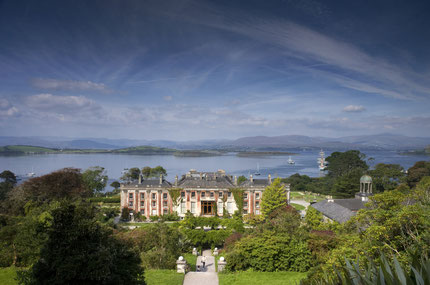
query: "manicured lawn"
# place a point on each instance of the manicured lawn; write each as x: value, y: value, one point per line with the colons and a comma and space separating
x: 7, y: 276
x: 191, y: 260
x: 162, y: 277
x: 258, y: 278
x: 297, y: 206
x: 306, y: 197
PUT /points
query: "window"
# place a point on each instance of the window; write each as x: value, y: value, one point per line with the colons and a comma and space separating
x: 245, y: 204
x: 130, y: 196
x: 165, y: 212
x: 130, y: 204
x: 164, y: 195
x: 245, y: 195
x: 245, y: 211
x: 142, y: 204
x: 230, y: 207
x: 193, y: 194
x: 193, y: 207
x: 154, y: 196
x: 257, y: 204
x: 183, y: 208
x: 142, y: 211
x: 164, y: 203
x: 257, y: 195
x: 203, y: 194
x: 220, y: 207
x: 220, y: 194
x: 153, y: 204
x: 229, y: 194
x: 154, y: 212
x: 212, y: 194
x: 183, y: 194
x: 257, y: 212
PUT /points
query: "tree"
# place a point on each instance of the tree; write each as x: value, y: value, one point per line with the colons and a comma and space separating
x: 146, y: 171
x: 341, y: 163
x: 132, y: 174
x: 386, y: 177
x: 9, y: 177
x: 274, y: 197
x: 417, y: 172
x: 157, y: 171
x: 115, y: 185
x: 95, y: 179
x: 348, y: 184
x: 313, y: 218
x: 241, y: 179
x: 79, y: 250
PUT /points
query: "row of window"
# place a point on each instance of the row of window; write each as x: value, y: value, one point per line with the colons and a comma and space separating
x: 193, y: 195
x: 142, y: 196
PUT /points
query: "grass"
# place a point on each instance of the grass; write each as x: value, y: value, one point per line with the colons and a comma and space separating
x: 191, y: 260
x: 7, y: 276
x: 162, y: 277
x: 297, y: 206
x: 257, y: 278
x: 306, y: 197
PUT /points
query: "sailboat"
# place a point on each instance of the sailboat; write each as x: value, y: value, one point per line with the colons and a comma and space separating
x: 31, y: 174
x: 258, y: 170
x: 322, y: 164
x: 290, y: 161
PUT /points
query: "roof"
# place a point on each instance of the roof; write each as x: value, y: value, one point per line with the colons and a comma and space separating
x: 208, y: 182
x: 365, y: 179
x: 334, y: 211
x: 351, y: 204
x: 151, y: 183
x: 255, y: 183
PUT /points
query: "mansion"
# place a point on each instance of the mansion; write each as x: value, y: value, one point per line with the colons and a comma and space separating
x: 201, y: 193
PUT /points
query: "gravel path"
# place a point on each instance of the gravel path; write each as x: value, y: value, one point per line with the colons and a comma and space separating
x: 206, y: 276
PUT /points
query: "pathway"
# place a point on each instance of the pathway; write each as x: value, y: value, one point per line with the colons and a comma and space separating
x: 206, y: 276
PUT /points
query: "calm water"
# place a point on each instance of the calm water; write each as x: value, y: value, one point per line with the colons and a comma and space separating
x: 306, y: 163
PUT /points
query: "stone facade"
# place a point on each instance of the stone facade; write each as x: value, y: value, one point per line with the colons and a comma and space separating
x: 201, y: 193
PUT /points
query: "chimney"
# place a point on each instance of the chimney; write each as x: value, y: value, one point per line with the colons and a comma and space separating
x: 330, y: 199
x: 235, y: 180
x: 161, y: 179
x: 251, y: 178
x: 176, y: 180
x: 140, y: 178
x: 270, y: 179
x: 201, y: 176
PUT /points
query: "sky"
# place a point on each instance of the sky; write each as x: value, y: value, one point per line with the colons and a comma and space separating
x: 191, y: 70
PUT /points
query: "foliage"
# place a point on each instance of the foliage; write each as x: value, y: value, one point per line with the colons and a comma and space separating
x: 158, y: 244
x: 8, y: 276
x: 170, y: 217
x: 238, y: 198
x: 8, y: 176
x: 273, y: 198
x: 371, y: 273
x: 269, y: 251
x: 66, y: 183
x: 81, y: 251
x: 241, y: 179
x: 417, y: 172
x: 125, y: 214
x: 386, y: 177
x: 148, y: 172
x: 348, y: 184
x: 95, y: 178
x: 108, y: 200
x: 252, y: 219
x: 342, y: 163
x: 283, y: 220
x: 313, y: 218
x: 175, y: 194
x: 115, y: 185
x: 154, y: 218
x: 132, y: 174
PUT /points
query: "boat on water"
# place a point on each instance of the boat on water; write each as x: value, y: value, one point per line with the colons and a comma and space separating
x: 258, y: 170
x: 30, y: 174
x: 322, y: 164
x: 290, y: 161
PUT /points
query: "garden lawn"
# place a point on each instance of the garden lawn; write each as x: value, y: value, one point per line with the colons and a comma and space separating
x: 163, y: 277
x: 258, y: 278
x: 191, y: 260
x: 7, y: 276
x: 297, y: 206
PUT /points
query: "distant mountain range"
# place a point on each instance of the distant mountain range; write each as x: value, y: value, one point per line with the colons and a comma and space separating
x: 261, y: 143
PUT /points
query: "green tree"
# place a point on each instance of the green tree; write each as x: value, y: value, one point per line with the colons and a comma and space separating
x: 417, y: 172
x: 132, y: 174
x: 9, y: 177
x: 81, y: 251
x: 386, y: 177
x: 146, y: 171
x: 348, y: 184
x: 95, y: 179
x: 157, y: 171
x: 115, y: 185
x: 274, y: 197
x: 241, y: 179
x: 342, y: 163
x: 313, y: 218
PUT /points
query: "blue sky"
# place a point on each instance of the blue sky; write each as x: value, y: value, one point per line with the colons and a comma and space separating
x: 186, y: 70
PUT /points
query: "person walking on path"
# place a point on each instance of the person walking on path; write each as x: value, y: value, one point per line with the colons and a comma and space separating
x: 203, y: 260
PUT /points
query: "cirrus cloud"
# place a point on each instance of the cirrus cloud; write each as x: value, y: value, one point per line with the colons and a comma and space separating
x: 56, y: 84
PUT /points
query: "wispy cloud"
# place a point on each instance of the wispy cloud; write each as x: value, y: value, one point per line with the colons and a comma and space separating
x: 354, y: 109
x: 7, y: 109
x: 56, y: 84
